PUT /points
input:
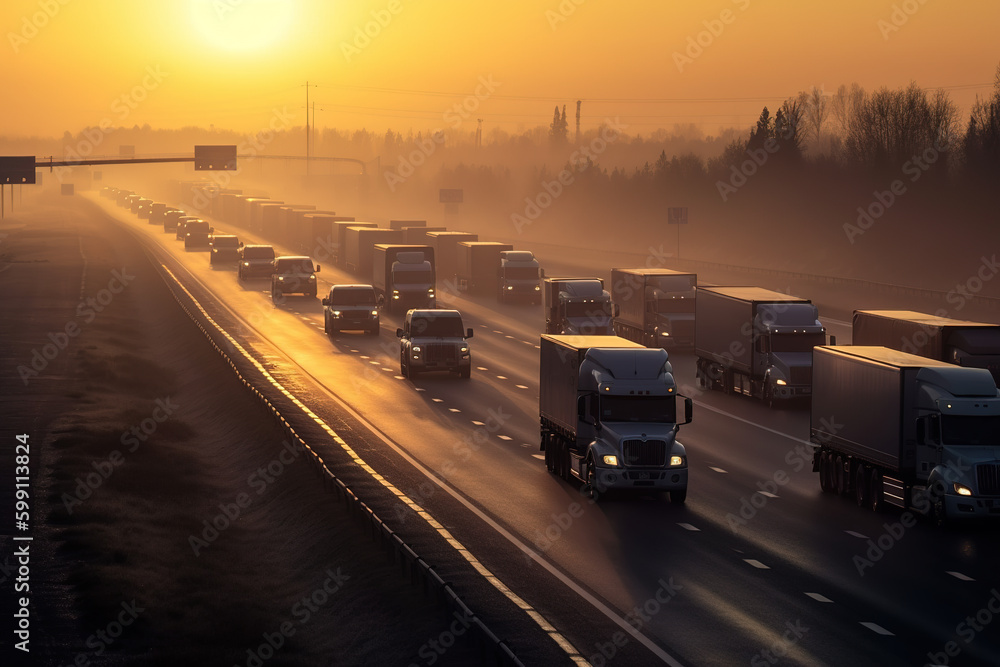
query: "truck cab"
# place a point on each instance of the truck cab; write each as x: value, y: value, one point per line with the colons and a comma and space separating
x: 350, y: 307
x: 577, y: 306
x: 784, y: 337
x: 609, y: 415
x: 434, y: 340
x: 518, y: 277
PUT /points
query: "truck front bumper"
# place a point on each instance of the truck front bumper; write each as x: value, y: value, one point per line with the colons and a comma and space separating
x: 788, y: 392
x: 971, y: 507
x: 658, y: 479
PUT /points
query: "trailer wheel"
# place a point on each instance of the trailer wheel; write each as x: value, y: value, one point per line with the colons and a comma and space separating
x: 861, y: 486
x: 875, y: 498
x: 549, y: 454
x: 826, y: 482
x: 840, y: 475
x: 564, y: 464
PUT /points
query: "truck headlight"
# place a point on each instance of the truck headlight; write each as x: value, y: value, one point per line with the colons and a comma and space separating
x: 430, y: 291
x: 415, y: 348
x: 395, y: 293
x: 281, y: 278
x: 336, y: 313
x: 246, y: 263
x: 666, y: 333
x: 780, y: 382
x: 510, y: 287
x: 610, y: 460
x: 962, y: 489
x: 538, y: 288
x: 676, y: 461
x: 464, y: 349
x: 374, y: 313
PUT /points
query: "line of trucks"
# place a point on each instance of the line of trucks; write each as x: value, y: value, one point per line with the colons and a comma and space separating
x: 909, y: 415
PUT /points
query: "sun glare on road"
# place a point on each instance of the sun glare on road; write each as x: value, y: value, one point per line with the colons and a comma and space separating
x: 243, y: 26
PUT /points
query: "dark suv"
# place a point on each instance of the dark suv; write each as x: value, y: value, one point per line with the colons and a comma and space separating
x: 293, y: 274
x: 256, y: 261
x: 225, y: 248
x: 197, y: 234
x: 434, y: 340
x: 350, y: 307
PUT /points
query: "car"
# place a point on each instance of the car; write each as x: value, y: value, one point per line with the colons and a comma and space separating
x: 129, y: 199
x: 225, y: 248
x: 138, y: 202
x: 170, y: 218
x: 156, y: 211
x: 197, y: 234
x: 182, y: 221
x: 293, y: 274
x: 434, y: 340
x: 350, y: 307
x: 255, y: 261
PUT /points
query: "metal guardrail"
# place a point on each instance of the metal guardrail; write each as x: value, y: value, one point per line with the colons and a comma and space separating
x: 491, y: 649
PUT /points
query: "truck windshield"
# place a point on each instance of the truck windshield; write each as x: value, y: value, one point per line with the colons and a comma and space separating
x: 657, y: 409
x: 298, y: 266
x: 445, y: 327
x: 521, y: 272
x: 258, y: 253
x: 420, y: 276
x: 964, y: 430
x: 591, y: 309
x: 353, y: 297
x: 791, y: 342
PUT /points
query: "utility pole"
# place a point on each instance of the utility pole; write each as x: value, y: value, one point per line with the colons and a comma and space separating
x: 479, y: 133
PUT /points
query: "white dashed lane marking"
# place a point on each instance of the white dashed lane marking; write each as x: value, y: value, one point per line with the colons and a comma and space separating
x: 857, y: 535
x: 756, y: 563
x: 960, y: 576
x: 875, y: 627
x: 687, y: 526
x: 503, y: 437
x: 717, y: 469
x: 819, y: 598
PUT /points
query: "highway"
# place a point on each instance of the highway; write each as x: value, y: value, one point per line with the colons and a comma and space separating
x: 757, y: 567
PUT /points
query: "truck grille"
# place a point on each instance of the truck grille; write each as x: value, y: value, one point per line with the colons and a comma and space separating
x: 801, y: 376
x: 648, y: 453
x: 988, y: 476
x: 440, y: 353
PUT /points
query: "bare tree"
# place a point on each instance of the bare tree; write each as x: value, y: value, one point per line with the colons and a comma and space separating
x: 842, y: 103
x: 815, y: 110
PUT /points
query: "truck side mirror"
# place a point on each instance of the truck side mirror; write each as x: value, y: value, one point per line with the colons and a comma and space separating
x: 469, y: 332
x: 211, y: 230
x: 833, y: 340
x: 615, y: 310
x: 399, y: 332
x: 583, y: 409
x: 318, y: 267
x: 688, y: 410
x: 326, y: 301
x: 241, y: 244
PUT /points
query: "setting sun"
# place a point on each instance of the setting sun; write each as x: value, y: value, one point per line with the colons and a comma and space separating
x: 243, y: 26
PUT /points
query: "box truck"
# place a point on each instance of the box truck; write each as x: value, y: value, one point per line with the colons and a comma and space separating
x: 655, y: 306
x: 477, y: 266
x: 577, y: 306
x: 403, y: 276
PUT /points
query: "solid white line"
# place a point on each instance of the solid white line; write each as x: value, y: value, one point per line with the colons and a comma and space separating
x: 875, y: 627
x: 819, y: 598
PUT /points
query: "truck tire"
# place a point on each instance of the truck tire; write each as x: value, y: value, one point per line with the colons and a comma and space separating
x: 826, y: 482
x: 840, y: 475
x: 678, y: 497
x: 466, y: 372
x: 861, y: 485
x: 875, y: 498
x: 549, y: 453
x: 564, y: 461
x: 326, y: 324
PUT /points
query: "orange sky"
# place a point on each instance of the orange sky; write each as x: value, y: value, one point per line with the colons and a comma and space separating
x: 233, y: 63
